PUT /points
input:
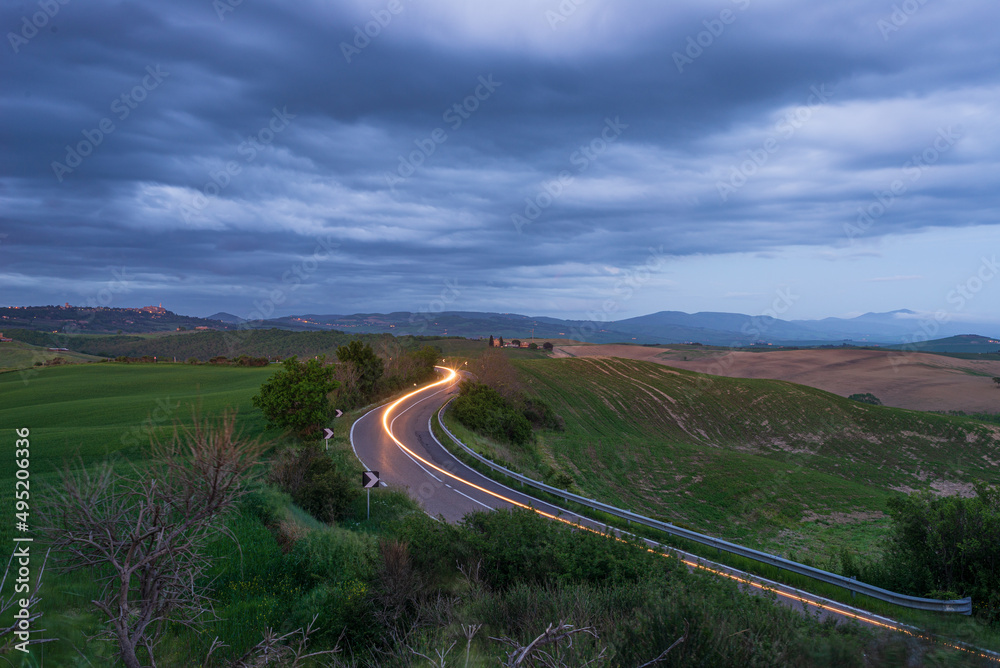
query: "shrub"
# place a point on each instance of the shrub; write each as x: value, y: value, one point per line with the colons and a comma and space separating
x: 482, y: 409
x: 326, y: 493
x: 521, y: 546
x: 541, y: 415
x: 345, y: 614
x: 866, y: 398
x: 941, y: 547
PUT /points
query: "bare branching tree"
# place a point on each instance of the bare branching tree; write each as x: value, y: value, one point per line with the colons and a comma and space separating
x: 143, y: 535
x: 537, y: 652
x: 290, y: 650
x: 663, y: 655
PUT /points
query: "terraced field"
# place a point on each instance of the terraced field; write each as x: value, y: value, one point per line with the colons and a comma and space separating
x: 769, y: 464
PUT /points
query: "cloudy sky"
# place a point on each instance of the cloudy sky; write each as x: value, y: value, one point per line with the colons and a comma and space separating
x: 556, y: 158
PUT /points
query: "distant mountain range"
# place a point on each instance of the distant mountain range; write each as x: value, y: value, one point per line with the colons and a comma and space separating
x: 726, y: 329
x: 710, y: 328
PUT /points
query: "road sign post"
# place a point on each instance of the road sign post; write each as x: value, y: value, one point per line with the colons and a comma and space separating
x: 327, y: 432
x: 369, y: 479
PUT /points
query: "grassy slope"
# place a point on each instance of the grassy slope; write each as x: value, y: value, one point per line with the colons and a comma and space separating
x: 769, y: 464
x: 86, y: 410
x: 19, y: 355
x: 102, y: 410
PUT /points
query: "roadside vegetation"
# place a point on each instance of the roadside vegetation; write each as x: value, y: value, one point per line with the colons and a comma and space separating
x: 291, y: 565
x: 768, y: 464
x: 779, y: 475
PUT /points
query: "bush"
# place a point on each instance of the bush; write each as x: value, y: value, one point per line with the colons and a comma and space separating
x: 482, y: 409
x: 866, y: 398
x: 326, y: 492
x: 434, y: 547
x: 345, y: 614
x: 521, y: 546
x: 941, y: 547
x: 541, y: 415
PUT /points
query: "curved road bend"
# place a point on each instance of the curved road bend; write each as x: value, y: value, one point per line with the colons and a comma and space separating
x: 411, y: 457
x: 438, y: 493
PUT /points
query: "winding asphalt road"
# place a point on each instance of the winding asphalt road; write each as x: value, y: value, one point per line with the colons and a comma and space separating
x: 396, y: 440
x: 443, y: 485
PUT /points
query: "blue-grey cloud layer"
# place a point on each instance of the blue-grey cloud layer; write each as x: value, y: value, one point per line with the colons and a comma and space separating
x: 243, y: 158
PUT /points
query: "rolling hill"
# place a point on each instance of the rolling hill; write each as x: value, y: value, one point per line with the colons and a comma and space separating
x: 769, y: 464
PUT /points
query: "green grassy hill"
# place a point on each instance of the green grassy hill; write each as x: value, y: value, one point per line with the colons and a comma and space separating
x: 965, y: 343
x: 97, y: 410
x: 765, y: 463
x: 205, y: 345
x: 20, y: 355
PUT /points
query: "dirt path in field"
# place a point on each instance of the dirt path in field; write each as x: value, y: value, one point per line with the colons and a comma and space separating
x: 906, y: 380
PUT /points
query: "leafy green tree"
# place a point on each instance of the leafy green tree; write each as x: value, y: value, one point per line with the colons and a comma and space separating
x: 427, y: 357
x: 368, y: 365
x: 296, y: 396
x: 951, y: 545
x: 866, y: 398
x: 491, y: 345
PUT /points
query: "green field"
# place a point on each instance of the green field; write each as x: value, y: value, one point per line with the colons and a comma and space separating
x: 19, y: 355
x: 768, y: 464
x: 96, y: 411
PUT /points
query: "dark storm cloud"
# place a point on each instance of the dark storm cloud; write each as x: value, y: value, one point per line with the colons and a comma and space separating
x: 223, y: 146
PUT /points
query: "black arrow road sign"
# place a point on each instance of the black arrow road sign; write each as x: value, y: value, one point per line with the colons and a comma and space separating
x: 327, y: 434
x: 339, y: 413
x: 369, y: 479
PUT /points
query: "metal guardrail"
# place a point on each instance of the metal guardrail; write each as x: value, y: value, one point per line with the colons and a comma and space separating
x: 961, y: 606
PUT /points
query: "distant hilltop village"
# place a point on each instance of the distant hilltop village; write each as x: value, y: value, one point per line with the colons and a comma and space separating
x: 70, y: 319
x: 145, y: 309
